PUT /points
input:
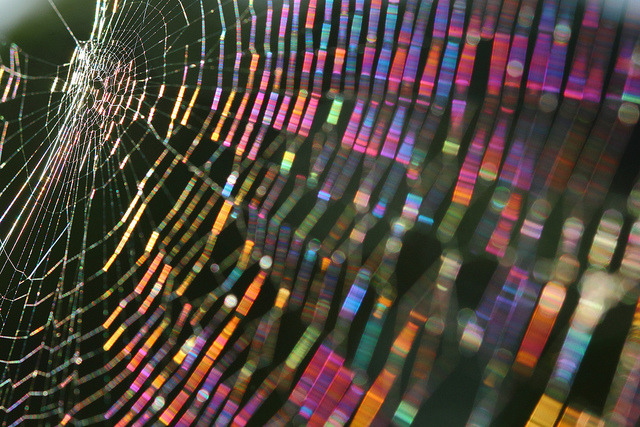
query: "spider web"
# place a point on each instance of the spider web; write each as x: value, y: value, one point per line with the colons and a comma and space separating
x: 238, y: 211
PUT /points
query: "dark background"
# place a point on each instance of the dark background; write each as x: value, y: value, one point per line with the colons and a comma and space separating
x: 45, y: 37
